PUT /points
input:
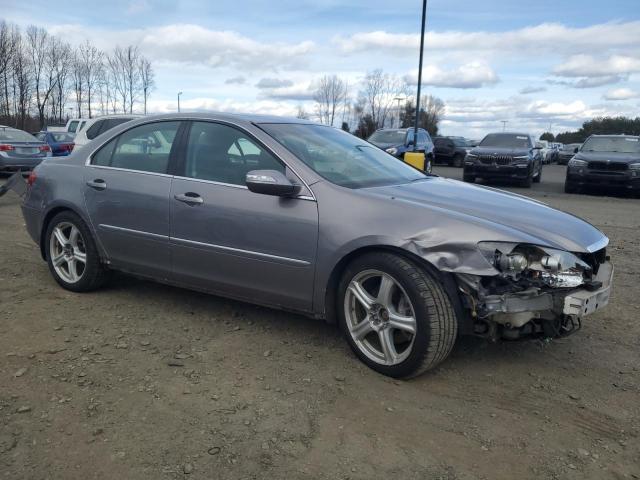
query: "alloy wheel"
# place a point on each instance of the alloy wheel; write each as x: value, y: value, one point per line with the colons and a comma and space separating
x: 68, y: 252
x: 380, y: 317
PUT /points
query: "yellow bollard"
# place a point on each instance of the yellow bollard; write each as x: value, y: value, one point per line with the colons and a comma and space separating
x: 415, y: 159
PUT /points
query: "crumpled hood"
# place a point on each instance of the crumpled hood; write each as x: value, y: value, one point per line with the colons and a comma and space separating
x: 508, y: 215
x: 608, y: 156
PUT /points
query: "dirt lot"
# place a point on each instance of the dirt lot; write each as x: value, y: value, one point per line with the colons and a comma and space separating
x: 141, y: 380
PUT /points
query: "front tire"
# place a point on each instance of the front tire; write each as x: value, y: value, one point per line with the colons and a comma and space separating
x: 396, y: 316
x: 538, y: 177
x: 72, y: 255
x: 468, y: 178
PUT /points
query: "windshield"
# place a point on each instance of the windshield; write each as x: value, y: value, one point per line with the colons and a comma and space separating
x: 340, y: 157
x: 13, y: 135
x: 62, y: 137
x: 612, y: 144
x: 506, y: 140
x: 459, y: 142
x: 570, y: 147
x: 388, y: 136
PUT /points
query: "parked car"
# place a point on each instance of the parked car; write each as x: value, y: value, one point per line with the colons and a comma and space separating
x: 567, y: 152
x: 451, y: 150
x: 61, y: 143
x: 20, y: 151
x: 98, y: 125
x: 309, y: 218
x: 74, y: 125
x: 606, y: 161
x: 398, y: 141
x: 505, y: 156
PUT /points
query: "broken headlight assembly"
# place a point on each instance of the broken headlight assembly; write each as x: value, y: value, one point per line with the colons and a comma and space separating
x: 536, y: 265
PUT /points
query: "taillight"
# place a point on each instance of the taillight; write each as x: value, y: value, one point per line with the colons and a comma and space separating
x: 45, y: 148
x: 31, y: 179
x: 71, y: 145
x: 6, y: 148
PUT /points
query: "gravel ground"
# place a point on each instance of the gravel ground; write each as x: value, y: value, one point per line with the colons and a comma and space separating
x: 145, y: 381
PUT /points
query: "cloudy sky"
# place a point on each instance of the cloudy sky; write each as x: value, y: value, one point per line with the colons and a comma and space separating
x: 532, y: 63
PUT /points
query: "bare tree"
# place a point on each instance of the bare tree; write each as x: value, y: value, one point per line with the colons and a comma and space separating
x: 7, y: 50
x: 77, y: 72
x: 21, y: 82
x: 302, y: 113
x: 91, y: 62
x: 329, y: 95
x: 431, y: 112
x: 39, y: 48
x: 379, y: 91
x: 147, y: 80
x: 126, y: 75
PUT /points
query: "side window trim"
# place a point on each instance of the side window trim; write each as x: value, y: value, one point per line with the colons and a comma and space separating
x: 177, y: 143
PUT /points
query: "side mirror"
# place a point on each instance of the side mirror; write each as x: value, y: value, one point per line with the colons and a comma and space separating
x: 270, y: 182
x: 575, y: 150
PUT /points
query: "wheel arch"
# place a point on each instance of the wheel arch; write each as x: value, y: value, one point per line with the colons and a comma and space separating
x: 447, y: 280
x: 52, y: 212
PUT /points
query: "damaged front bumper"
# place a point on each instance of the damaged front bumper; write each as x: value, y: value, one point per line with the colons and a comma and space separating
x: 537, y: 312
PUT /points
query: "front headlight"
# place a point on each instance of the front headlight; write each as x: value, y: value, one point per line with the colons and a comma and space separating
x: 634, y: 166
x: 574, y: 162
x: 392, y: 150
x: 534, y: 264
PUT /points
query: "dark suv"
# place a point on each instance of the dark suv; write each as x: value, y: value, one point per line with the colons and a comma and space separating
x: 397, y: 141
x: 451, y: 150
x: 505, y: 156
x: 606, y: 161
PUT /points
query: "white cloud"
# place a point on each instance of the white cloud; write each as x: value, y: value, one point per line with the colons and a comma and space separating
x: 590, y: 66
x: 193, y: 44
x: 470, y: 75
x: 545, y: 38
x: 239, y: 80
x: 299, y: 92
x: 621, y: 94
x: 138, y: 6
x: 203, y: 104
x: 532, y: 89
x: 273, y: 83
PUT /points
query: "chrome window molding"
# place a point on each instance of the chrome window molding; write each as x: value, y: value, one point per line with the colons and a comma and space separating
x: 105, y: 226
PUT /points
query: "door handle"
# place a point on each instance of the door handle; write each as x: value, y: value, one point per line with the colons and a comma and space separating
x: 97, y: 184
x: 190, y: 198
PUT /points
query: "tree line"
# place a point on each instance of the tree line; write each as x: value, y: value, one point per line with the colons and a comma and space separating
x: 381, y: 100
x: 45, y: 80
x: 599, y: 126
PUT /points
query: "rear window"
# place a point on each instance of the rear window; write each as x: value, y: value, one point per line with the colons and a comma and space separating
x: 388, y: 136
x: 14, y: 135
x: 105, y: 125
x: 62, y: 137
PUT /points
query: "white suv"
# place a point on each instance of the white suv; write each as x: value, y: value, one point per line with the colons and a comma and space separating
x: 98, y: 125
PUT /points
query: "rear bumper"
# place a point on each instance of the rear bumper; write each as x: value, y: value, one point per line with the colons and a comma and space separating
x: 13, y: 165
x: 519, y: 172
x: 624, y: 180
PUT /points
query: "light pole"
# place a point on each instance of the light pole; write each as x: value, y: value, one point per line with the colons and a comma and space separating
x: 504, y: 124
x: 415, y: 128
x: 179, y: 93
x: 398, y: 99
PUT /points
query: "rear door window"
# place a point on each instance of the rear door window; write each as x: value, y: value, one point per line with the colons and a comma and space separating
x: 73, y: 126
x: 144, y: 148
x: 94, y: 130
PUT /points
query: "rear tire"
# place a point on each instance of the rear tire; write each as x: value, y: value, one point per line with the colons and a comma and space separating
x: 72, y: 255
x: 400, y: 330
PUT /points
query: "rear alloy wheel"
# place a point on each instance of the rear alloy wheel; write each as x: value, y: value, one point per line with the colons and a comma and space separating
x: 72, y: 255
x: 396, y: 317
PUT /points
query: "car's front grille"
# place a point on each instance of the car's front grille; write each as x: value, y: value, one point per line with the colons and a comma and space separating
x: 497, y: 159
x: 608, y: 166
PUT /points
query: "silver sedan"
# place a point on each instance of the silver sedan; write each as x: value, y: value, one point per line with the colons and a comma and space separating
x: 304, y: 217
